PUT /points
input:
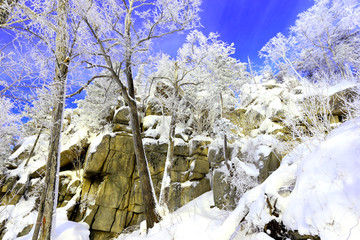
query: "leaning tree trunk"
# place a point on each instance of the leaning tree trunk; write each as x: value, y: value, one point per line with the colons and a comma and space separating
x: 47, y: 208
x: 165, y: 184
x: 149, y: 197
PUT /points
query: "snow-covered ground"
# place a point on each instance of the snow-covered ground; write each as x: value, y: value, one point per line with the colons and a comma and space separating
x: 22, y: 215
x: 314, y: 191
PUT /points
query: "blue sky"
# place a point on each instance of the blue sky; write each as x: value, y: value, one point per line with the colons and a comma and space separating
x: 249, y: 24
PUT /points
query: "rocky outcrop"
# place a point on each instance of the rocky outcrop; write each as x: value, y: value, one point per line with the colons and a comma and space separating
x: 246, y: 171
x: 226, y: 195
x: 111, y: 197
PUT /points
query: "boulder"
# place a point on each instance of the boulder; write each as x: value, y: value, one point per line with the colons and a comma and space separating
x: 199, y: 146
x: 8, y: 184
x: 120, y: 221
x: 122, y: 115
x: 135, y: 202
x: 215, y: 157
x: 268, y: 164
x: 225, y: 194
x: 199, y: 164
x: 179, y: 176
x: 121, y: 157
x: 152, y: 109
x: 181, y: 148
x: 94, y: 161
x: 339, y: 100
x: 156, y: 162
x: 181, y: 164
x: 118, y: 127
x: 114, y: 154
x: 103, y: 219
x: 25, y: 231
x: 237, y: 116
x: 114, y: 192
x: 193, y: 176
x: 182, y: 193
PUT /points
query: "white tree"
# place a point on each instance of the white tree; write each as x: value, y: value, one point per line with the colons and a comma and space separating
x: 54, y: 42
x: 122, y: 32
x: 279, y: 51
x: 9, y: 127
x: 323, y: 42
x: 328, y: 34
x: 202, y: 72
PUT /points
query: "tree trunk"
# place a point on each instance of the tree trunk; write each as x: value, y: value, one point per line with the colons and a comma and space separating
x: 165, y: 184
x: 34, y: 146
x: 47, y: 208
x: 149, y: 198
x: 226, y: 154
x: 225, y: 148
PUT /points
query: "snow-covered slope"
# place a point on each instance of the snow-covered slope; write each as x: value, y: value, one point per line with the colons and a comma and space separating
x: 315, y: 191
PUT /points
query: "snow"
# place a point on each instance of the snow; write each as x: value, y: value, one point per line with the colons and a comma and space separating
x: 195, y: 221
x: 22, y: 215
x: 268, y: 126
x: 26, y: 145
x: 325, y: 199
x: 315, y: 189
x: 249, y: 168
x: 36, y: 161
x: 201, y: 138
x: 17, y: 217
x: 263, y: 236
x: 73, y: 139
x: 65, y: 229
x: 157, y: 127
x: 340, y: 87
x: 95, y: 143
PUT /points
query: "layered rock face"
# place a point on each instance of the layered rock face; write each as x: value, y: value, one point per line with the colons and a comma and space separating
x: 111, y: 197
x: 104, y: 191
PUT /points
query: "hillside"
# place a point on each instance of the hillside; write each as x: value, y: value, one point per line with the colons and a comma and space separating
x: 270, y: 187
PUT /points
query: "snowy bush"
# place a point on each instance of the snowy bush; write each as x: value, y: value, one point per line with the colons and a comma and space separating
x: 94, y: 110
x: 318, y: 103
x: 10, y: 131
x: 38, y: 111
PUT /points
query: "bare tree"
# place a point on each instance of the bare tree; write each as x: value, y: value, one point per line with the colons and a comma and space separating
x: 203, y: 65
x: 121, y: 41
x: 53, y: 162
x: 53, y: 38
